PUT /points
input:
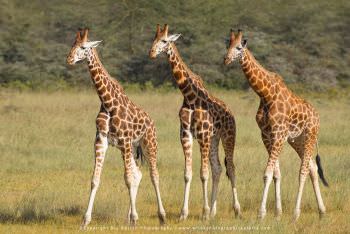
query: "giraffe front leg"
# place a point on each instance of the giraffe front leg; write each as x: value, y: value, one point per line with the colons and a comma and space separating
x: 204, y: 174
x: 149, y: 147
x: 274, y: 151
x: 132, y: 176
x: 101, y: 145
x: 277, y: 180
x: 186, y: 141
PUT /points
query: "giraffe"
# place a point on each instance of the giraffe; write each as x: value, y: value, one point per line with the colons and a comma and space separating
x: 282, y: 116
x: 119, y: 123
x: 203, y: 117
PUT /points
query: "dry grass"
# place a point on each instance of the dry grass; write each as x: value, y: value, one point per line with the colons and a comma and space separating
x: 46, y: 162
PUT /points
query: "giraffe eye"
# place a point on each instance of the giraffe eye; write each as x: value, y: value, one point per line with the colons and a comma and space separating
x: 164, y: 41
x: 238, y: 48
x: 82, y: 47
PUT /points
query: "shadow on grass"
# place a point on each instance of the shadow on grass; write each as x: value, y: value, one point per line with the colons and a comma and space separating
x: 33, y: 215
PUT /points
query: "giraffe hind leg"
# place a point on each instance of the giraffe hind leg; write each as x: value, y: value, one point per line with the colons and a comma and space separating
x: 228, y: 144
x: 149, y: 147
x: 300, y: 145
x: 216, y: 172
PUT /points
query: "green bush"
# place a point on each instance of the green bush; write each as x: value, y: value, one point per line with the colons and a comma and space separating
x: 307, y: 42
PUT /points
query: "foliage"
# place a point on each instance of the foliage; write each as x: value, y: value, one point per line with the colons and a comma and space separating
x: 306, y: 41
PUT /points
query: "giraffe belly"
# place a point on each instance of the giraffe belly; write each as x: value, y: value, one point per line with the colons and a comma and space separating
x: 294, y: 132
x: 112, y: 139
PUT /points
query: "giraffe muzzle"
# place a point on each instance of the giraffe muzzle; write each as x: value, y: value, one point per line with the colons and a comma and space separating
x: 227, y: 60
x: 70, y: 61
x: 152, y: 54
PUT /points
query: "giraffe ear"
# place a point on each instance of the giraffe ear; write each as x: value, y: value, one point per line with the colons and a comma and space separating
x: 173, y: 37
x: 91, y: 44
x: 244, y: 43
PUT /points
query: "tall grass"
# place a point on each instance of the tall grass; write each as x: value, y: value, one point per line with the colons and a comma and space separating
x: 46, y: 160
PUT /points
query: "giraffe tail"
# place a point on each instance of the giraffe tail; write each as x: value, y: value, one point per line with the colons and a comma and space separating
x: 320, y: 170
x: 140, y: 159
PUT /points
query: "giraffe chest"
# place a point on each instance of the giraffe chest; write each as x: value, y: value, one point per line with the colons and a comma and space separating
x: 122, y: 130
x: 201, y: 124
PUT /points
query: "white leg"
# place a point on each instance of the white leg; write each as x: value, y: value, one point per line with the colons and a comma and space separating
x: 302, y: 178
x: 267, y: 181
x: 132, y: 177
x: 316, y: 186
x: 186, y: 140
x: 236, y: 205
x: 277, y: 180
x: 155, y: 181
x: 274, y: 150
x: 206, y: 208
x: 101, y: 145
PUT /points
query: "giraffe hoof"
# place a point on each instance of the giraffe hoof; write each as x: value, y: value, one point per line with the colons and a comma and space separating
x: 83, y: 227
x: 213, y: 212
x: 322, y: 214
x: 262, y: 214
x: 237, y: 209
x: 278, y: 214
x: 132, y: 222
x: 86, y: 221
x: 205, y: 215
x: 296, y: 215
x: 183, y: 215
x: 133, y: 219
x: 162, y: 219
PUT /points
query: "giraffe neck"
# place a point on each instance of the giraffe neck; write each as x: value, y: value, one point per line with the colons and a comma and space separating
x: 189, y: 84
x: 105, y: 87
x: 258, y: 77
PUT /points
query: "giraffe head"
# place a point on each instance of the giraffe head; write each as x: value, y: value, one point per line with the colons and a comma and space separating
x: 235, y: 48
x: 81, y: 46
x: 162, y: 41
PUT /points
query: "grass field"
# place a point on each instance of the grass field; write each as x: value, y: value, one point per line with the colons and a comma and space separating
x: 46, y: 143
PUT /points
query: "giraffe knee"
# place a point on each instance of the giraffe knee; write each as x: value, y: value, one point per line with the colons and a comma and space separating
x: 267, y: 175
x: 204, y: 175
x: 133, y: 178
x: 188, y: 176
x: 276, y: 175
x: 216, y: 171
x: 155, y: 176
x: 95, y: 183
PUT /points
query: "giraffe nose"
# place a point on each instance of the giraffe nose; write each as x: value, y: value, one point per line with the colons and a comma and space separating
x: 152, y: 54
x: 70, y: 60
x: 227, y: 60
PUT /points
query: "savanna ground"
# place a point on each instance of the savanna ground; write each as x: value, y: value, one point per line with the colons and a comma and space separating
x: 47, y: 159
